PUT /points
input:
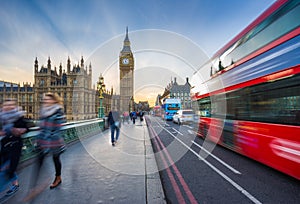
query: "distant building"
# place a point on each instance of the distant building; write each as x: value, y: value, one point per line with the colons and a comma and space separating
x: 157, y: 100
x: 142, y: 106
x: 24, y: 95
x: 74, y: 85
x: 108, y: 99
x: 182, y: 92
x: 115, y: 102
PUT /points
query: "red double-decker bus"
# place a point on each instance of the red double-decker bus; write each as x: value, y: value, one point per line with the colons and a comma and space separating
x: 251, y: 103
x: 157, y: 110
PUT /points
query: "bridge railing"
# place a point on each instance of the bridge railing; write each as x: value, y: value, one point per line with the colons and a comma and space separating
x: 71, y: 132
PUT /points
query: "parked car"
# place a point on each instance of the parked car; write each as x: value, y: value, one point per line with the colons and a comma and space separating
x: 184, y: 116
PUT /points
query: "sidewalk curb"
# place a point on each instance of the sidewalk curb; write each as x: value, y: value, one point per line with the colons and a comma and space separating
x: 154, y: 189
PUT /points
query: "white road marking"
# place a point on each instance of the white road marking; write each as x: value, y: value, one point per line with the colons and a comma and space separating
x: 234, y: 184
x: 177, y: 131
x: 188, y: 126
x: 216, y: 158
x: 191, y: 132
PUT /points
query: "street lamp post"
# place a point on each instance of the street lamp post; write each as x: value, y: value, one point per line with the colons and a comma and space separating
x: 101, y: 88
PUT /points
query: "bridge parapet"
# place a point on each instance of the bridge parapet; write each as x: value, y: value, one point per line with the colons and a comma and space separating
x: 72, y: 131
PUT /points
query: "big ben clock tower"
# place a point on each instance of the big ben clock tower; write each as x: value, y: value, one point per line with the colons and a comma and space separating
x: 126, y: 64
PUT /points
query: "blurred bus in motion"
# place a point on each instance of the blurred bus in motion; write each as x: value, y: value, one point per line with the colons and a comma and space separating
x: 170, y: 107
x: 251, y: 103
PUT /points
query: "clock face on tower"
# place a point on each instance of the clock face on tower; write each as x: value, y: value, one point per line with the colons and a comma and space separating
x: 125, y: 61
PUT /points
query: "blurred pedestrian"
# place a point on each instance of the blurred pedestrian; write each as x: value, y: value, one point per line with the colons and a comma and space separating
x: 134, y: 116
x: 50, y: 139
x: 115, y: 125
x: 141, y: 114
x: 13, y: 125
x: 126, y: 117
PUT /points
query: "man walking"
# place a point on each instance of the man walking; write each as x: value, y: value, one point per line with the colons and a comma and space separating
x: 115, y: 124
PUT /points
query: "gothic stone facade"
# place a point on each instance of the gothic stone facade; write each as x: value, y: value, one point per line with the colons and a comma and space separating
x: 73, y: 85
x: 24, y: 94
x: 182, y: 92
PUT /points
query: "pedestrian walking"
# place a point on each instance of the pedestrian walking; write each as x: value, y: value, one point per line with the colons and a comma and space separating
x: 50, y: 139
x: 141, y: 114
x: 115, y: 125
x: 134, y: 116
x: 126, y: 117
x: 13, y: 125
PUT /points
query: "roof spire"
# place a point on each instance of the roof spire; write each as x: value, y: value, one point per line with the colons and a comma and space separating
x: 126, y: 46
x: 126, y: 40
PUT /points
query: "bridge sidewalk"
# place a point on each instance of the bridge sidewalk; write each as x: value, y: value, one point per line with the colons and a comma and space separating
x: 96, y: 172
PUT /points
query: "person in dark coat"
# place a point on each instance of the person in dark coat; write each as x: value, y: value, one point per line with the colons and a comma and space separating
x: 13, y: 125
x: 115, y: 124
x: 141, y: 114
x: 134, y: 116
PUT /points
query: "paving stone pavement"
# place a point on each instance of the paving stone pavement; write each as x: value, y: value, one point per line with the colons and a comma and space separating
x: 96, y: 172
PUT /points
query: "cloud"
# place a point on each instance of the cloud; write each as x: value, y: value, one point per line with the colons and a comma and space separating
x: 95, y: 30
x: 152, y: 49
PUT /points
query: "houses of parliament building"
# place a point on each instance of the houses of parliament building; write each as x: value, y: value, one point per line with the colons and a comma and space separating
x: 73, y: 84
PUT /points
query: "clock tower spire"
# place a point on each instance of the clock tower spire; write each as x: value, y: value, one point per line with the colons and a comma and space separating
x: 126, y: 66
x: 126, y: 45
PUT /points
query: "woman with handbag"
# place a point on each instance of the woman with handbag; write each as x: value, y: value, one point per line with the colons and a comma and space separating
x: 50, y: 139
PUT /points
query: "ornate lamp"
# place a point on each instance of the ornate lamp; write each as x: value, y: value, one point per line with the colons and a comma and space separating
x: 101, y: 88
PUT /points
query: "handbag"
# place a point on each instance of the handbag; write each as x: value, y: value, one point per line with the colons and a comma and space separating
x: 117, y: 123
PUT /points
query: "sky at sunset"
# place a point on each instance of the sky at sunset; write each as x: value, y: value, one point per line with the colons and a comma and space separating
x: 169, y: 38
